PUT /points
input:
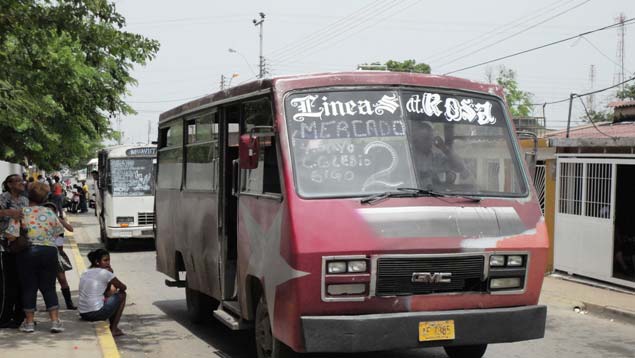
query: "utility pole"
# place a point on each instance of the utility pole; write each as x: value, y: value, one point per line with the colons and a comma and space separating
x: 591, y: 99
x: 621, y: 33
x: 149, y: 131
x: 222, y: 82
x: 261, y: 61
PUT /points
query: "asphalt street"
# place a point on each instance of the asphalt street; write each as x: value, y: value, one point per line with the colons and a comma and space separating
x: 156, y: 324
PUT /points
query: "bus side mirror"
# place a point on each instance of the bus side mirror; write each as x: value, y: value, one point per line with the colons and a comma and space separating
x: 249, y: 150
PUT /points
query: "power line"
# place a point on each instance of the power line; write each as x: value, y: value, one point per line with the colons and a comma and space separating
x: 495, y: 32
x: 327, y: 35
x: 325, y: 31
x: 540, y: 47
x: 585, y: 94
x: 356, y: 27
x: 517, y: 33
x: 591, y: 120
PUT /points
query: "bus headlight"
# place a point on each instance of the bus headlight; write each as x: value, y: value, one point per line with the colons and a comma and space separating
x: 497, y: 260
x: 124, y: 221
x: 357, y: 266
x: 514, y: 261
x: 336, y: 267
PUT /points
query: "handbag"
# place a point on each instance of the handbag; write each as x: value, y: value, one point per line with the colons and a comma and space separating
x: 18, y: 245
x: 64, y: 263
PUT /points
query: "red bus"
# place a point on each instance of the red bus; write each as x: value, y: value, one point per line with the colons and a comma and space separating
x: 351, y: 212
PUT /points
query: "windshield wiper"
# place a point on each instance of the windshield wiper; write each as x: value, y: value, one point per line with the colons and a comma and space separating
x: 412, y: 193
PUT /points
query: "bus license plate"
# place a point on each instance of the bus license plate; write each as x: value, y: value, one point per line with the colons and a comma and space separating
x: 436, y: 331
x: 125, y: 234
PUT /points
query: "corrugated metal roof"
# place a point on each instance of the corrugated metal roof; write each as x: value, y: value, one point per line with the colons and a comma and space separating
x: 621, y: 104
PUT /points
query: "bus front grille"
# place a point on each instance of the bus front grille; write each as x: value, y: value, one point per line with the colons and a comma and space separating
x: 145, y: 219
x: 463, y: 273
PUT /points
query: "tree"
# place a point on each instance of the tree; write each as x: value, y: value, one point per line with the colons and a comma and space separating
x: 64, y: 66
x: 519, y: 101
x: 397, y: 66
x: 628, y: 93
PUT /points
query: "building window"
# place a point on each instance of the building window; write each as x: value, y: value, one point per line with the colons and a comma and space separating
x: 598, y: 190
x: 570, y: 200
x: 585, y: 189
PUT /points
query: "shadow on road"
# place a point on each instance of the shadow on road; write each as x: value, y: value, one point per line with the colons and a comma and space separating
x: 232, y: 344
x: 227, y: 343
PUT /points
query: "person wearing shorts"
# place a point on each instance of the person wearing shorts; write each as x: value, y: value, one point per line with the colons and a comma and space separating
x: 101, y: 295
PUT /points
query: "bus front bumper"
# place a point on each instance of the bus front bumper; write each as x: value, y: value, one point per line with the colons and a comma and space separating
x: 375, y: 332
x: 130, y: 232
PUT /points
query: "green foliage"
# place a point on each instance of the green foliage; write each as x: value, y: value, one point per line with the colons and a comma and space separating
x: 519, y: 101
x: 397, y: 66
x: 628, y: 93
x: 64, y: 66
x: 596, y: 116
x: 408, y: 66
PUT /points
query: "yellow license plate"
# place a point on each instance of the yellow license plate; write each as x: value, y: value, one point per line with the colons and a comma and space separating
x: 436, y: 331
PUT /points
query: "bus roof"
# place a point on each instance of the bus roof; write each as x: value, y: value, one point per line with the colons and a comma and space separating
x: 284, y: 83
x: 121, y: 151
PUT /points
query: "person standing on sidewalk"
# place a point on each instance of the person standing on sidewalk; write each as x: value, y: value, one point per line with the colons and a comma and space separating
x: 11, y: 203
x: 101, y: 295
x: 63, y: 263
x: 37, y: 265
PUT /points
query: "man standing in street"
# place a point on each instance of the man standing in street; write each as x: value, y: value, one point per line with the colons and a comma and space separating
x: 11, y: 203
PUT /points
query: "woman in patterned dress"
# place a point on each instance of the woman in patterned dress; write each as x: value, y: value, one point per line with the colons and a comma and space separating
x: 37, y: 265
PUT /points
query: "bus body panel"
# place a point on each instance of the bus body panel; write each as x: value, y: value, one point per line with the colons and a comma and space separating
x: 282, y: 246
x: 189, y: 229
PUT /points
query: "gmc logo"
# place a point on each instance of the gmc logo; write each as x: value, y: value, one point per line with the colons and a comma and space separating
x: 432, y: 277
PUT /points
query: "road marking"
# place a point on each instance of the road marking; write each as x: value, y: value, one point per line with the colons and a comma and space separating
x: 106, y: 341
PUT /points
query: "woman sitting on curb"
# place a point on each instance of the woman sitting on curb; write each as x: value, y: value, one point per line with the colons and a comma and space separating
x: 101, y: 295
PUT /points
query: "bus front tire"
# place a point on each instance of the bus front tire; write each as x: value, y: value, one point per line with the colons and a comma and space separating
x: 267, y: 346
x: 475, y: 351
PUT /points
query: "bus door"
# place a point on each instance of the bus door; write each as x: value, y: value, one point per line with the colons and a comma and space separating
x: 227, y: 201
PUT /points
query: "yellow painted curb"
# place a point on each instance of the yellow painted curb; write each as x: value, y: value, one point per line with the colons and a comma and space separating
x: 106, y: 341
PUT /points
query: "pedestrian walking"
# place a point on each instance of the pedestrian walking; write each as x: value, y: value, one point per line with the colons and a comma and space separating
x: 83, y: 199
x: 11, y: 203
x: 37, y: 265
x: 102, y: 296
x: 57, y: 195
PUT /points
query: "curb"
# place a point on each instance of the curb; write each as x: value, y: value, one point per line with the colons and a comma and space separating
x: 106, y: 340
x: 613, y: 313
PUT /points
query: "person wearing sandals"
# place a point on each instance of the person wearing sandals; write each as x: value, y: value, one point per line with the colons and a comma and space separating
x: 37, y: 264
x: 101, y: 295
x: 63, y: 263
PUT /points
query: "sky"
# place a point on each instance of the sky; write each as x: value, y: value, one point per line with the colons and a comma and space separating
x: 334, y: 35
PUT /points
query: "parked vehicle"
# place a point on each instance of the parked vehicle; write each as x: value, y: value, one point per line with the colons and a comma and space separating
x: 352, y: 212
x: 125, y: 197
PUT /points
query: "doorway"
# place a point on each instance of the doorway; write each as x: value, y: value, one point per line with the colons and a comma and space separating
x: 624, y: 235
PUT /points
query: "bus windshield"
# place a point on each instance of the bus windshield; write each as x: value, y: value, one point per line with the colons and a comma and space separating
x: 132, y: 177
x: 359, y: 142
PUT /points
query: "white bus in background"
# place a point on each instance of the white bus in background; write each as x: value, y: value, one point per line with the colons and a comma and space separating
x: 125, y: 193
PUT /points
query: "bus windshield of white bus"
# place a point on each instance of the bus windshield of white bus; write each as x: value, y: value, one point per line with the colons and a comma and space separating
x: 132, y: 177
x: 356, y: 143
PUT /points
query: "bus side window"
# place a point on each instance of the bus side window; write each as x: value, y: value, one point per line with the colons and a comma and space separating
x: 170, y: 155
x: 265, y: 178
x: 201, y: 153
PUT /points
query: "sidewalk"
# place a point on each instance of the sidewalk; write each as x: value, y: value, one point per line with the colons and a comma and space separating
x: 80, y: 339
x: 589, y: 296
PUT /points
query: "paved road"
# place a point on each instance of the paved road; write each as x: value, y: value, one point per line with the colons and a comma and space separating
x: 156, y: 325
